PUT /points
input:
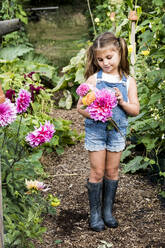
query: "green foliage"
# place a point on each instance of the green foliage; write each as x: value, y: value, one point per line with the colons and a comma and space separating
x: 120, y: 24
x: 10, y: 10
x: 73, y: 76
x: 101, y: 11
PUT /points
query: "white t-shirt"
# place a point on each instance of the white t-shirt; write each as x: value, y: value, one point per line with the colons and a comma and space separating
x: 112, y: 79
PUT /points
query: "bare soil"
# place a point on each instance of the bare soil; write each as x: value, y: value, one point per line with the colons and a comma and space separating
x: 137, y: 207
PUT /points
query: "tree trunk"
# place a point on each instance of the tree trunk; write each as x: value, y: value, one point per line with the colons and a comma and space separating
x: 9, y: 26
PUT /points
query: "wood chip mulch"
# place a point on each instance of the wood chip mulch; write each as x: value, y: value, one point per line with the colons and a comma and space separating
x: 138, y: 209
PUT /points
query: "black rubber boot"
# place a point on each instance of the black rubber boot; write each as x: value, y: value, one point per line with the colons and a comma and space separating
x: 94, y: 195
x: 109, y: 192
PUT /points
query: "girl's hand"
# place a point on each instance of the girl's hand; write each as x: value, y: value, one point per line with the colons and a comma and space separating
x: 119, y: 96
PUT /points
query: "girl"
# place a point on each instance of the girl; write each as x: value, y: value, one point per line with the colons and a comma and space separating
x: 107, y: 67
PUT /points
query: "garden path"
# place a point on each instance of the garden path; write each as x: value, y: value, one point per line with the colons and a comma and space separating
x: 140, y: 213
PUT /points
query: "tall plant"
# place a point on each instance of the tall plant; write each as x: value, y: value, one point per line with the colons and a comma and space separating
x: 149, y: 127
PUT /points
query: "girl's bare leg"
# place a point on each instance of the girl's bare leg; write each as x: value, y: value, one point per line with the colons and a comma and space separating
x: 97, y: 163
x: 112, y: 165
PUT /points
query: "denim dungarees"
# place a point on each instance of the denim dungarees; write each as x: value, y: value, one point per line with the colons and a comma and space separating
x: 97, y: 136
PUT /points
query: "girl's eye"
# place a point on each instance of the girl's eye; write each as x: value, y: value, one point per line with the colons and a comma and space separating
x: 99, y: 59
x: 109, y: 57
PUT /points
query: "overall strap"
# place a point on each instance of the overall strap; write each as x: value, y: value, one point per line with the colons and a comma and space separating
x: 99, y: 75
x: 124, y: 78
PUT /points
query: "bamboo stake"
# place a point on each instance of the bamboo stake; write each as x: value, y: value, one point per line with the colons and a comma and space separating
x: 64, y: 175
x: 91, y: 17
x: 43, y: 8
x: 1, y: 212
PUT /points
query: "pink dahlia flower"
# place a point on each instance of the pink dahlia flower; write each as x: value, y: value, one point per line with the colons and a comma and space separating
x: 101, y: 108
x: 8, y: 113
x: 82, y: 90
x: 23, y: 101
x: 41, y: 135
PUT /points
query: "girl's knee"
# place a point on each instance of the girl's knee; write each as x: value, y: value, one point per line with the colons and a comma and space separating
x: 112, y: 174
x: 96, y: 176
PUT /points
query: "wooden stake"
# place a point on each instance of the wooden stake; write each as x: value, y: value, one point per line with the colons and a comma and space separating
x: 133, y: 17
x: 133, y: 43
x: 1, y: 212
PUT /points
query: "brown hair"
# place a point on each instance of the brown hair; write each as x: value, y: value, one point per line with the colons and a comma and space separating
x: 102, y: 41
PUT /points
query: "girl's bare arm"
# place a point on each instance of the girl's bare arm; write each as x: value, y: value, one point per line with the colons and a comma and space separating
x: 132, y: 107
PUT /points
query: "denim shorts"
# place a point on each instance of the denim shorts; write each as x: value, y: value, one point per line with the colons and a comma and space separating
x: 98, y: 137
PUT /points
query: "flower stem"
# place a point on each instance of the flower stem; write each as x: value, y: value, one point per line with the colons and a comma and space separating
x: 4, y: 138
x: 116, y: 127
x: 16, y: 147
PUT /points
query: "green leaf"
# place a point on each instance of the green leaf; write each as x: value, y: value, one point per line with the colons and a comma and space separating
x: 79, y: 77
x: 162, y: 193
x: 58, y: 241
x: 127, y: 152
x: 162, y: 173
x: 135, y: 165
x: 10, y: 53
x: 155, y: 98
x: 8, y: 178
x: 138, y: 117
x: 62, y: 83
x: 149, y: 141
x: 119, y: 27
x: 35, y: 156
x: 62, y: 102
x: 147, y: 36
x: 130, y: 3
x: 59, y: 150
x: 68, y: 99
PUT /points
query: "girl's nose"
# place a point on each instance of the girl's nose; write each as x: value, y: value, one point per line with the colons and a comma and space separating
x: 105, y: 61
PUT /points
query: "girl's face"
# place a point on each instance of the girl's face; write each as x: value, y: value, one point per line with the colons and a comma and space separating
x: 108, y: 59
